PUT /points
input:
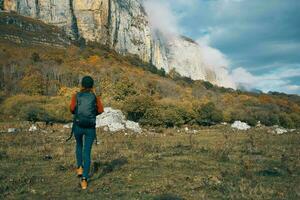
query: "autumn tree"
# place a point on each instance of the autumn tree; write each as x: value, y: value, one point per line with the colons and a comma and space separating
x: 33, y: 83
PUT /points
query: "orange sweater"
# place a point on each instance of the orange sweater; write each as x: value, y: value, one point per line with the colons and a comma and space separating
x: 73, y: 105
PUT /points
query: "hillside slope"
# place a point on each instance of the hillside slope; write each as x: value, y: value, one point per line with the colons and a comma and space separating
x: 123, y: 25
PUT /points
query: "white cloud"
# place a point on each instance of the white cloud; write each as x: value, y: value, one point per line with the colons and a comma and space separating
x: 212, y: 56
x: 161, y: 16
x: 293, y: 87
x: 276, y: 81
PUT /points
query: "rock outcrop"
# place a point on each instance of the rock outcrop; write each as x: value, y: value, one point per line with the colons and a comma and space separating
x: 240, y: 125
x: 122, y: 25
x: 186, y: 57
x: 116, y: 121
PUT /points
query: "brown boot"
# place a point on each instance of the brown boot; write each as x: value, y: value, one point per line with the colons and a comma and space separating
x: 79, y: 171
x: 84, y: 184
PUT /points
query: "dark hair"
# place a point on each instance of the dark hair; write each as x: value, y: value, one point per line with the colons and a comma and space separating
x: 87, y: 82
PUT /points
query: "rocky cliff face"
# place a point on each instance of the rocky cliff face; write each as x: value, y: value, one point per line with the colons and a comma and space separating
x: 186, y: 56
x: 121, y: 24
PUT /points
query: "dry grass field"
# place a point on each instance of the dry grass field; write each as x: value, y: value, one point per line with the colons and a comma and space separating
x: 214, y: 163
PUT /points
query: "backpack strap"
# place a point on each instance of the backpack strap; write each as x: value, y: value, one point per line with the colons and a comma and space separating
x: 76, y: 107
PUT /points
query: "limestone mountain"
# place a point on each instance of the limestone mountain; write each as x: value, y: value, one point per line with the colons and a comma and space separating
x: 123, y: 25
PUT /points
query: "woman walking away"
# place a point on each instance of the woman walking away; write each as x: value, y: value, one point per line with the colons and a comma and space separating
x: 85, y: 106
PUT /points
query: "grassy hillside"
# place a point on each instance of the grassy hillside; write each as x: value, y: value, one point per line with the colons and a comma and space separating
x: 46, y: 79
x: 215, y: 163
x: 37, y: 81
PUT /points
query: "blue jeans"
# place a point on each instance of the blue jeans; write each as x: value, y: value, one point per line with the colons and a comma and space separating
x: 84, y: 146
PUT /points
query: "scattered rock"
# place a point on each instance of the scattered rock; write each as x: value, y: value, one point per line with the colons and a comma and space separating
x: 12, y: 130
x: 240, y: 125
x: 33, y: 191
x: 115, y: 127
x: 114, y: 121
x: 33, y: 128
x: 68, y: 126
x: 186, y: 129
x: 110, y: 116
x: 133, y: 126
x: 258, y: 124
x: 224, y: 123
x: 280, y: 131
x: 44, y: 131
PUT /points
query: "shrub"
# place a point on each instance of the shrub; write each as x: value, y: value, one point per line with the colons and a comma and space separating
x: 244, y: 116
x: 208, y: 85
x: 136, y: 106
x: 134, y: 60
x: 183, y: 80
x: 296, y: 119
x: 250, y: 120
x: 124, y: 89
x: 286, y: 121
x: 36, y: 108
x: 14, y: 106
x: 33, y: 83
x: 171, y: 116
x: 163, y: 115
x: 35, y: 57
x: 152, y: 117
x: 273, y: 119
x: 269, y: 119
x: 186, y: 115
x: 167, y: 88
x: 34, y: 113
x: 208, y: 114
x: 198, y: 90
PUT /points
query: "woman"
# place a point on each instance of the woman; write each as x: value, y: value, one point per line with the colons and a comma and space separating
x: 85, y: 106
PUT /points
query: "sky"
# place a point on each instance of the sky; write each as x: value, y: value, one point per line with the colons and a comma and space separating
x: 259, y: 40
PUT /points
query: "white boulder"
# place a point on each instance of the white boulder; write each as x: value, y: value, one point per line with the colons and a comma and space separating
x: 115, y: 127
x: 115, y: 121
x: 33, y: 128
x: 68, y: 126
x: 12, y: 130
x: 240, y: 125
x: 133, y: 126
x: 280, y: 131
x: 110, y: 116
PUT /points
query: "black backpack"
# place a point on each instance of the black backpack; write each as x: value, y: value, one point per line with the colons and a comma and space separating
x: 86, y: 110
